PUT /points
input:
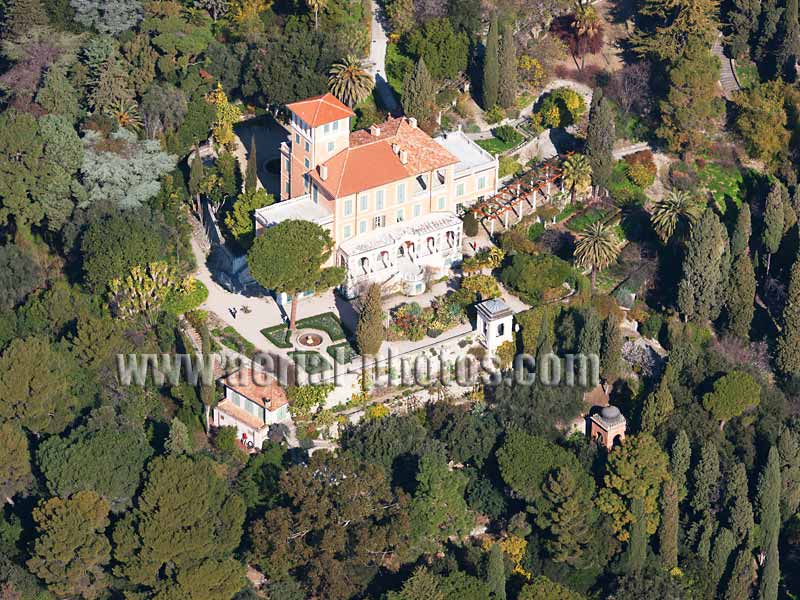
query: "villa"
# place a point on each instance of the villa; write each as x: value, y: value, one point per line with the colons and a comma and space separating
x: 391, y: 195
x: 253, y: 401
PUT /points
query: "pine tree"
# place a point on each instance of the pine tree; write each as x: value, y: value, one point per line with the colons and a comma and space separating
x: 15, y: 461
x: 251, y: 173
x: 789, y: 452
x: 701, y: 288
x: 496, y: 573
x: 706, y: 480
x: 507, y: 94
x: 564, y: 513
x: 668, y: 532
x: 491, y: 67
x: 58, y: 95
x: 788, y: 354
x: 739, y: 509
x: 774, y: 218
x: 658, y: 406
x: 680, y: 460
x: 370, y: 331
x: 591, y: 333
x: 600, y: 138
x: 418, y: 93
x: 769, y: 513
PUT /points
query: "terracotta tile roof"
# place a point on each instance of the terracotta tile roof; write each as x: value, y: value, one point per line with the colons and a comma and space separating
x: 320, y: 110
x: 229, y: 408
x: 370, y: 161
x: 261, y: 388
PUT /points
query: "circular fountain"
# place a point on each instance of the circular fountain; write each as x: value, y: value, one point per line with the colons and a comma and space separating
x: 309, y: 339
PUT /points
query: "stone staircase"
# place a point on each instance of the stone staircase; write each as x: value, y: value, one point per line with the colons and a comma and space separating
x: 727, y: 77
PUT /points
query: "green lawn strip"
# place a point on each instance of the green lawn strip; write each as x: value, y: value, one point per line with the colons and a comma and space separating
x: 327, y: 322
x: 495, y: 146
x: 311, y: 361
x: 589, y: 217
x: 278, y: 335
x: 231, y: 338
x: 721, y: 182
x: 348, y: 353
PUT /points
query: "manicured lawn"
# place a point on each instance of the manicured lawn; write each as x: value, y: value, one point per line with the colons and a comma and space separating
x: 583, y: 220
x: 278, y: 335
x: 311, y: 361
x: 495, y: 146
x: 347, y: 352
x: 328, y: 322
x: 569, y: 210
x: 231, y: 338
x: 747, y: 73
x: 722, y: 182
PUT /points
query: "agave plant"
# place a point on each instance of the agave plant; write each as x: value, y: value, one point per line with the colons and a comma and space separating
x: 127, y: 115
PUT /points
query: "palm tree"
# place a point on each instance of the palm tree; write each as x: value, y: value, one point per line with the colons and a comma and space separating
x: 316, y: 6
x: 586, y: 24
x: 597, y: 248
x: 349, y: 81
x: 576, y: 173
x: 676, y: 211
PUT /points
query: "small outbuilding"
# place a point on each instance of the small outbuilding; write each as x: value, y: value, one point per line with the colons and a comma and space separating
x: 608, y: 426
x: 495, y: 323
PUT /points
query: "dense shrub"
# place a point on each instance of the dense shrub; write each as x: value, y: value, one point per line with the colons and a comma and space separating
x: 508, y: 135
x: 180, y: 301
x: 641, y: 168
x: 538, y: 278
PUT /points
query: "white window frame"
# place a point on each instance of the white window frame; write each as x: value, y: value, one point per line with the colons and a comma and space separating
x: 347, y: 209
x: 363, y: 201
x: 460, y: 188
x: 362, y: 226
x: 379, y: 221
x: 348, y: 231
x: 379, y: 199
x: 417, y: 210
x: 401, y: 193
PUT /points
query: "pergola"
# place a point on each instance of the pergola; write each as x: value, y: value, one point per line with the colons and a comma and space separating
x: 513, y: 197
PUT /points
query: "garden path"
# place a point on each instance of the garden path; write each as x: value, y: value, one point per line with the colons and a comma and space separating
x: 727, y: 77
x: 377, y: 61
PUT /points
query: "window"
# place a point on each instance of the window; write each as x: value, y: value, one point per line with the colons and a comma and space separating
x: 287, y: 187
x: 401, y: 193
x: 348, y: 207
x: 379, y: 221
x: 460, y: 189
x: 438, y: 180
x: 442, y: 202
x: 296, y: 138
x: 327, y: 128
x: 308, y: 146
x: 459, y: 209
x: 306, y: 183
x: 288, y: 165
x: 362, y: 227
x: 348, y: 232
x: 336, y: 125
x: 400, y: 215
x: 363, y: 202
x: 306, y: 163
x: 235, y: 398
x: 420, y: 184
x: 481, y: 182
x: 315, y: 194
x: 417, y: 210
x: 501, y: 329
x: 251, y: 408
x: 331, y: 146
x: 379, y: 200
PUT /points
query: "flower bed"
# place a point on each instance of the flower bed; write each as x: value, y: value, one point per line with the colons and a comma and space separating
x: 279, y: 335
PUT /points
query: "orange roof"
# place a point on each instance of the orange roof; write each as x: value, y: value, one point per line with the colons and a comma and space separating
x: 370, y: 161
x: 261, y: 388
x: 320, y: 110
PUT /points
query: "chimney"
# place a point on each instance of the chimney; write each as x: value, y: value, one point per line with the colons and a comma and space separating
x: 403, y: 157
x: 395, y: 147
x: 375, y: 130
x: 323, y: 172
x: 412, y: 121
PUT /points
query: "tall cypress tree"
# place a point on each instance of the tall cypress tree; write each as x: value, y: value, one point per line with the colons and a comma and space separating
x: 701, y: 288
x: 196, y: 175
x: 742, y: 283
x: 591, y: 332
x: 507, y: 94
x: 774, y: 216
x: 600, y: 137
x: 611, y: 348
x: 370, y: 331
x: 788, y: 354
x: 668, y: 531
x: 770, y: 20
x: 496, y: 573
x: 723, y: 547
x: 769, y: 512
x: 418, y: 93
x: 789, y: 452
x: 564, y: 512
x: 740, y: 581
x: 657, y: 407
x: 706, y: 480
x: 251, y: 175
x: 789, y: 50
x: 491, y: 67
x: 637, y: 544
x: 679, y: 460
x: 738, y: 508
x: 744, y: 19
